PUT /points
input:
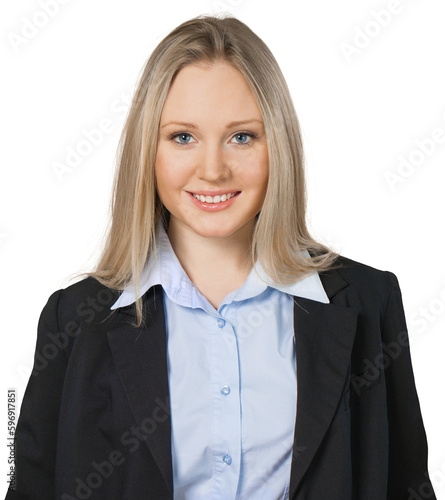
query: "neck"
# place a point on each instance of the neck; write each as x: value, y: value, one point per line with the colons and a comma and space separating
x: 207, y: 258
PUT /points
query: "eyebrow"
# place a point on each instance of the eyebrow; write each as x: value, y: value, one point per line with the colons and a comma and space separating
x: 191, y: 125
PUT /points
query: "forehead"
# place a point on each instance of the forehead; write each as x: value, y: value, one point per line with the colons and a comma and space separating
x: 218, y: 90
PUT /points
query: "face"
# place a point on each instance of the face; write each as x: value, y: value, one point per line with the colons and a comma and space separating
x: 212, y: 146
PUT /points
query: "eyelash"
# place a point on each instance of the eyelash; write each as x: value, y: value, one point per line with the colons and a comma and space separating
x: 173, y: 136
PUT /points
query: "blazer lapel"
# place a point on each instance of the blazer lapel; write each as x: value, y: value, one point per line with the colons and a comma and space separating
x: 140, y: 355
x: 324, y: 335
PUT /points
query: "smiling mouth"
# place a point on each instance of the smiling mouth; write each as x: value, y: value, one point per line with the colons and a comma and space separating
x: 214, y: 199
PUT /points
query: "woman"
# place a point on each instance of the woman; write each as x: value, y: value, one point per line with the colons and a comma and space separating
x: 218, y: 351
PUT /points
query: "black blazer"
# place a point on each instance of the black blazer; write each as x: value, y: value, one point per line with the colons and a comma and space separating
x: 95, y: 419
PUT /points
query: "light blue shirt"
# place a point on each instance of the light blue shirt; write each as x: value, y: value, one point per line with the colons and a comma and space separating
x: 232, y: 380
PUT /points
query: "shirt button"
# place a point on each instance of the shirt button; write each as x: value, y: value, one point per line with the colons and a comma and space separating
x: 225, y: 390
x: 227, y: 459
x: 221, y: 323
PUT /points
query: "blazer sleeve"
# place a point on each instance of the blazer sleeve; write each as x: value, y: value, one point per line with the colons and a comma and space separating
x: 36, y: 433
x: 408, y: 464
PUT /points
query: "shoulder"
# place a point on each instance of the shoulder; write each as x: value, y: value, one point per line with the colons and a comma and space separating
x: 86, y: 301
x: 363, y: 275
x: 360, y: 284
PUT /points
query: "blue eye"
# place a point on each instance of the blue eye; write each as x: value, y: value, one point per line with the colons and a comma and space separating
x: 242, y: 138
x: 183, y: 138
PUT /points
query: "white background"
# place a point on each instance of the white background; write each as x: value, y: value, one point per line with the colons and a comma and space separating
x: 360, y: 113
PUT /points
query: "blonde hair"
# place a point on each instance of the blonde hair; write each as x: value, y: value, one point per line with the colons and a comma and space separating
x: 280, y: 232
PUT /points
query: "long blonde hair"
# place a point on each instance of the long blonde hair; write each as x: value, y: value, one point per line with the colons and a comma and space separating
x: 280, y: 232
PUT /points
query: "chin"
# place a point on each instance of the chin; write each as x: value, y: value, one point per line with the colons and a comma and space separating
x: 216, y: 230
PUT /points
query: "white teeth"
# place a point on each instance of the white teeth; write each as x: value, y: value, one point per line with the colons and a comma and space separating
x: 215, y: 199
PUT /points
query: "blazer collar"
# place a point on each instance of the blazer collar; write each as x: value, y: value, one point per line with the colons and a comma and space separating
x: 324, y: 335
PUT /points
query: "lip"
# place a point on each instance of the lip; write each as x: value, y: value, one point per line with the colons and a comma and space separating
x: 215, y: 193
x: 213, y: 207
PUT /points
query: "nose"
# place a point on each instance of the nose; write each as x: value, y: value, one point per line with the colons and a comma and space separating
x: 212, y: 163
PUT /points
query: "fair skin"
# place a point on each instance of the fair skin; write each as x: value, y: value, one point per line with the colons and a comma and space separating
x: 202, y: 150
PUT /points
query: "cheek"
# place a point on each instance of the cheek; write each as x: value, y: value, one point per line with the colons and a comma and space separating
x: 255, y: 171
x: 264, y: 169
x: 163, y: 180
x: 168, y: 175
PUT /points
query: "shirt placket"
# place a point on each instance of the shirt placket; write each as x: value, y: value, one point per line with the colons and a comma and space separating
x: 226, y: 426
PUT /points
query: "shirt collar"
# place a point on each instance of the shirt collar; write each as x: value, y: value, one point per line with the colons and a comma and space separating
x: 166, y: 270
